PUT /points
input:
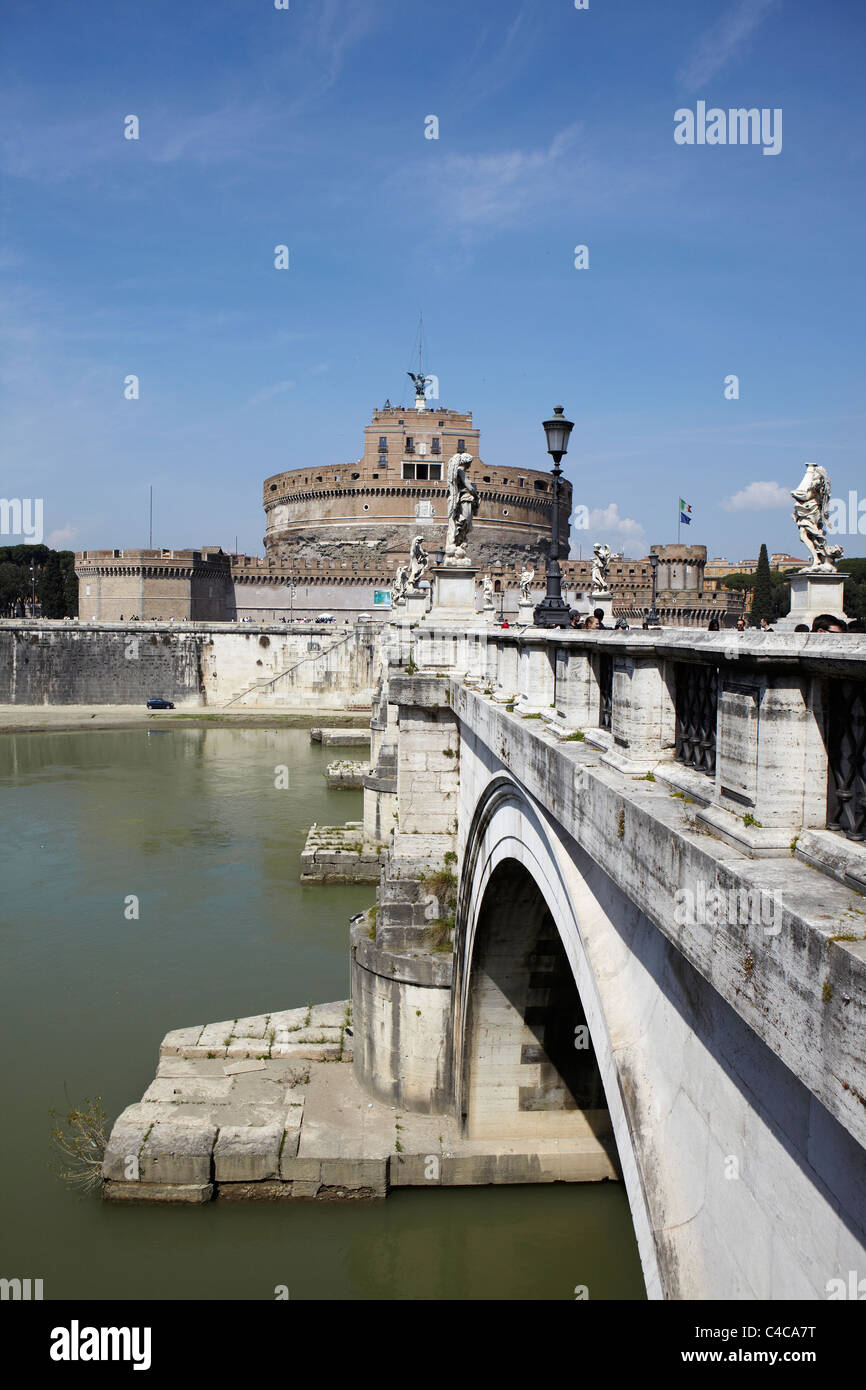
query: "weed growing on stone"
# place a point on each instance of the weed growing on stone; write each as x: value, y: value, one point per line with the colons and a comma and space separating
x: 577, y: 737
x: 826, y: 992
x: 80, y: 1138
x: 749, y: 819
x: 620, y: 824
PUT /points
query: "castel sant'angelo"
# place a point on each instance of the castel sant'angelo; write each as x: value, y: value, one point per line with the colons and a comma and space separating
x: 335, y: 535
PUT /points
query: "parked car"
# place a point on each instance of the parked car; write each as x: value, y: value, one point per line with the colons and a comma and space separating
x: 159, y: 704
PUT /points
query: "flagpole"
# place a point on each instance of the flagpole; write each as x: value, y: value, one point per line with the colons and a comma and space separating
x: 679, y: 518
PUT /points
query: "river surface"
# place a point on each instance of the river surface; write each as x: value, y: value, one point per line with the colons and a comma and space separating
x: 190, y: 822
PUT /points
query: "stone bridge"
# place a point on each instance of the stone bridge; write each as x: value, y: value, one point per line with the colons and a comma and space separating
x: 622, y: 908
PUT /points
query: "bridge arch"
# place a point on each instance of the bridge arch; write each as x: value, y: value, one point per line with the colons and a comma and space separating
x: 519, y: 943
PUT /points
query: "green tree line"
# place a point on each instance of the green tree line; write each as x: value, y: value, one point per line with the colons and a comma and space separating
x: 54, y: 575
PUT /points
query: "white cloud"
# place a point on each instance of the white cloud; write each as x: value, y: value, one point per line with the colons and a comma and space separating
x: 758, y: 497
x: 608, y: 522
x: 723, y: 40
x: 268, y: 392
x: 61, y: 539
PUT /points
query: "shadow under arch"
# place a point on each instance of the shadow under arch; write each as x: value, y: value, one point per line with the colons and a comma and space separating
x: 511, y: 867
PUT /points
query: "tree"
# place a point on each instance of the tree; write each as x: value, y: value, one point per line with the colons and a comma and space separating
x: 54, y: 572
x: 50, y: 588
x: 854, y: 570
x: 762, y: 593
x: 780, y: 594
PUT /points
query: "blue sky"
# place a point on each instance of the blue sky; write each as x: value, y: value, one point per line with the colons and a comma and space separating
x: 306, y: 127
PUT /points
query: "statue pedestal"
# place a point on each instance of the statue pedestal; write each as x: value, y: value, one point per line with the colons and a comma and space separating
x: 454, y: 594
x: 603, y: 600
x: 417, y: 603
x: 525, y: 614
x: 488, y: 613
x: 812, y: 594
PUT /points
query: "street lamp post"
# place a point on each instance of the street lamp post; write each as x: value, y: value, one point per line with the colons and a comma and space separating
x: 553, y: 611
x: 32, y: 589
x: 652, y: 616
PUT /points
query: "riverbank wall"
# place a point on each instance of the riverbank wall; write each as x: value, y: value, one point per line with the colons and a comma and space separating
x: 195, y: 665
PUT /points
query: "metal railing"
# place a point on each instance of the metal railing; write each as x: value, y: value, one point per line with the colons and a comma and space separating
x: 696, y: 705
x: 605, y: 686
x: 846, y: 758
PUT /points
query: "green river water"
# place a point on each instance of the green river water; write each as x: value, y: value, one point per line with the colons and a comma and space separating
x: 190, y: 821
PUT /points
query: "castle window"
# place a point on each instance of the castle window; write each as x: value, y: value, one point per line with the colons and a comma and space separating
x: 436, y: 447
x: 461, y: 446
x: 356, y: 475
x: 540, y: 485
x: 366, y: 506
x: 410, y: 444
x: 319, y: 478
x: 375, y: 475
x: 521, y: 482
x: 273, y: 487
x: 421, y: 470
x: 505, y: 511
x: 441, y: 423
x: 383, y: 441
x: 486, y: 478
x: 408, y: 470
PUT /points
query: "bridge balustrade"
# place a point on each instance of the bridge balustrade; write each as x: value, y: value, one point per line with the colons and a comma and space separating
x: 765, y: 732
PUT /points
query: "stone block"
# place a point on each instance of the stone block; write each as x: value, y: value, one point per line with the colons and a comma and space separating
x: 247, y: 1153
x: 296, y: 1169
x: 313, y: 1052
x: 175, y: 1043
x: 178, y: 1152
x: 189, y: 1088
x: 354, y: 1173
x: 255, y: 1026
x: 290, y: 1018
x: 125, y: 1143
x: 291, y: 1139
x: 194, y: 1193
x: 216, y: 1035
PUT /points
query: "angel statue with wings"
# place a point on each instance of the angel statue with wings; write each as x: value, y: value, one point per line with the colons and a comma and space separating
x: 811, y: 507
x: 462, y: 507
x: 420, y: 381
x: 418, y: 562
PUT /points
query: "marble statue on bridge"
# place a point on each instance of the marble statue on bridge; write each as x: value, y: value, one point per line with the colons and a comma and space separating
x: 418, y: 562
x: 600, y: 568
x: 526, y: 578
x: 400, y: 585
x: 462, y: 508
x: 811, y: 506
